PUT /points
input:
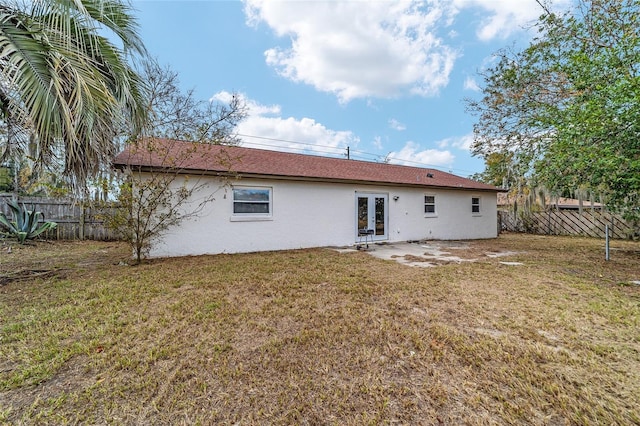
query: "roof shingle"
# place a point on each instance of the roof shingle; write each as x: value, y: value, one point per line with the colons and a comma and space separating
x: 220, y: 159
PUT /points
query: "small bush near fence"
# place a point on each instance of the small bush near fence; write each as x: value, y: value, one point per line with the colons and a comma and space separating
x: 75, y: 220
x: 567, y: 222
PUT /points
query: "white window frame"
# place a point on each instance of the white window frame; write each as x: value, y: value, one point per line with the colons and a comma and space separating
x: 245, y: 217
x: 478, y: 205
x: 434, y: 204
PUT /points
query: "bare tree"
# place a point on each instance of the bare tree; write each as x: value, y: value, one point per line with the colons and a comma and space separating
x: 179, y: 115
x: 152, y: 200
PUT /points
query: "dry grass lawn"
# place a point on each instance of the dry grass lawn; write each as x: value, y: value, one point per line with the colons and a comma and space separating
x: 321, y: 337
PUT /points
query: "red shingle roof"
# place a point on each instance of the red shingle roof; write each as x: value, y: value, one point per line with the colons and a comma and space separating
x: 248, y: 162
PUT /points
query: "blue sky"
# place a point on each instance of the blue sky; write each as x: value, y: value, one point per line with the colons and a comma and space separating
x: 385, y: 78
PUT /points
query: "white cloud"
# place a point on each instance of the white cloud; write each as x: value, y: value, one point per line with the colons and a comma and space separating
x: 471, y: 84
x: 253, y: 108
x: 377, y: 142
x: 396, y: 125
x: 461, y: 142
x: 358, y: 49
x: 379, y: 49
x: 265, y: 128
x: 411, y: 154
x: 504, y: 17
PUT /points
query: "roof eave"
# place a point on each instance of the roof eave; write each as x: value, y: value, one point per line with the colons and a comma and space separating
x: 239, y: 175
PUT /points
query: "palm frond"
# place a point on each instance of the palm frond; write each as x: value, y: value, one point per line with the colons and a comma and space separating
x: 71, y: 85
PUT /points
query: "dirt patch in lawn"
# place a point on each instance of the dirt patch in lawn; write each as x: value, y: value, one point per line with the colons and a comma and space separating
x: 55, y: 260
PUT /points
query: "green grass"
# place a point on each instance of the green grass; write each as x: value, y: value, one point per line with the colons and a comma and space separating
x: 319, y: 337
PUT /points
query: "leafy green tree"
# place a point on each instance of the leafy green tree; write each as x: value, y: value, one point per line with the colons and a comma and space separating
x: 67, y: 90
x: 568, y: 106
x: 6, y: 178
x: 500, y: 170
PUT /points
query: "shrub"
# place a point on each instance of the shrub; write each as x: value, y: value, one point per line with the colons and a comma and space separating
x: 25, y: 224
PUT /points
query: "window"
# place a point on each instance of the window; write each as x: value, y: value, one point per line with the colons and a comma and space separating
x: 430, y: 205
x: 252, y: 201
x: 475, y: 205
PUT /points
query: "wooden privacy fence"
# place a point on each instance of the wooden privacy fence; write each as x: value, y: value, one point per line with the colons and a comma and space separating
x: 75, y: 221
x: 567, y: 222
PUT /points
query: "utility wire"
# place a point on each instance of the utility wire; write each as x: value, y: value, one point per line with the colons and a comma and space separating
x: 336, y: 151
x: 328, y: 149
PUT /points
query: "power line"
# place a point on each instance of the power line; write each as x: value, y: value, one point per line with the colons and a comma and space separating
x: 333, y: 150
x: 336, y: 151
x: 281, y: 140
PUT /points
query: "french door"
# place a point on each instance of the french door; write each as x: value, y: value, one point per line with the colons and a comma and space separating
x: 372, y: 215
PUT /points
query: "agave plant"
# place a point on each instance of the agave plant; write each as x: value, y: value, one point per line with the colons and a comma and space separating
x: 26, y: 224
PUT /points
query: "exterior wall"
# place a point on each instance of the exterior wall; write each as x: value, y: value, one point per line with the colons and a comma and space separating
x: 311, y: 214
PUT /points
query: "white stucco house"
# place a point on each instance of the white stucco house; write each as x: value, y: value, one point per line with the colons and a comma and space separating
x: 269, y: 200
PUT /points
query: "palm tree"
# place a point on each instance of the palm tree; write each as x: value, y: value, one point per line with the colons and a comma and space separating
x: 66, y: 89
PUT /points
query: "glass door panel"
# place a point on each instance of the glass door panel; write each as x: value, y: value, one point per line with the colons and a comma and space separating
x: 372, y: 215
x: 380, y: 216
x: 363, y: 213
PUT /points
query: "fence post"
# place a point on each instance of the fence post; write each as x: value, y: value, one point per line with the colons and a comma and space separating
x: 606, y: 239
x: 81, y: 222
x: 613, y: 227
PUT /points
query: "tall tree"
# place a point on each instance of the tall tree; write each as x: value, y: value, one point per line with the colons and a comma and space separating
x: 66, y: 89
x: 177, y: 114
x: 568, y: 106
x: 153, y: 201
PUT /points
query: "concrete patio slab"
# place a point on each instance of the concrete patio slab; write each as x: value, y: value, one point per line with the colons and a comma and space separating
x: 427, y: 254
